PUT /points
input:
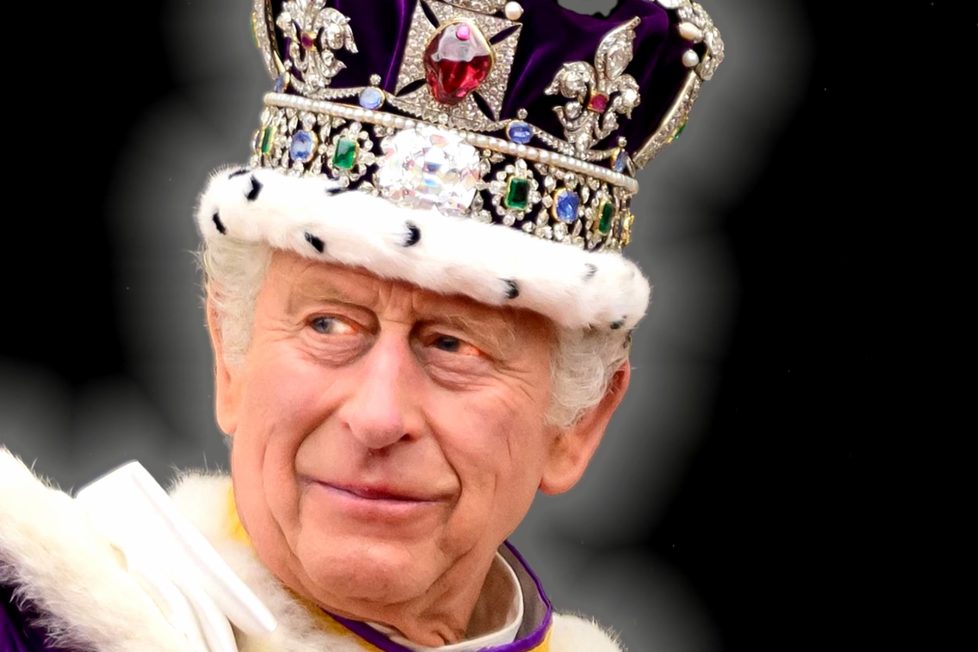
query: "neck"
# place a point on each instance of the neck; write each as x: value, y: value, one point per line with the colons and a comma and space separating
x: 444, y: 614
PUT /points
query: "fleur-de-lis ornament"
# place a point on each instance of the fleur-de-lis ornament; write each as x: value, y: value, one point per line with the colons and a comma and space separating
x: 314, y: 32
x: 599, y: 93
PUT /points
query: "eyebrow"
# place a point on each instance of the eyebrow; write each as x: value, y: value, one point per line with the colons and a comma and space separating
x: 466, y: 322
x: 303, y: 294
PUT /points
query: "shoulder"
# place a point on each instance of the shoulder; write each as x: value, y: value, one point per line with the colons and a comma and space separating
x: 53, y: 559
x: 576, y: 634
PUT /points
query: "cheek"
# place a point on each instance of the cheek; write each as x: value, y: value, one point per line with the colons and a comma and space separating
x: 497, y: 447
x: 285, y: 400
x: 498, y: 424
x: 287, y: 397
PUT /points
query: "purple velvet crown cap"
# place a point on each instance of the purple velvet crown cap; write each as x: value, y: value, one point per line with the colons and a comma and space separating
x: 551, y: 36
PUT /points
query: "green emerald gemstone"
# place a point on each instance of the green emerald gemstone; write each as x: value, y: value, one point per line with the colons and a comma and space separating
x: 518, y: 194
x: 345, y: 156
x: 267, y: 139
x: 679, y: 132
x: 607, y: 215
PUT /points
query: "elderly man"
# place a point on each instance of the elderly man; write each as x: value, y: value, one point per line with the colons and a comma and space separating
x: 420, y: 316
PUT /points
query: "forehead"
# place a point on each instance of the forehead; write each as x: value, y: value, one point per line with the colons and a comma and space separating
x: 298, y: 283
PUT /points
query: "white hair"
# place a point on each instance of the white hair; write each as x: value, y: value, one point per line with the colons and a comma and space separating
x: 583, y: 362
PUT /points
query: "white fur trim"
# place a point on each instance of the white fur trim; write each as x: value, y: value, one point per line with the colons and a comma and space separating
x: 574, y: 634
x: 51, y: 553
x: 454, y: 255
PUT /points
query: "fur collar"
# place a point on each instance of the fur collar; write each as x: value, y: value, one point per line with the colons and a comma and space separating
x: 55, y: 559
x: 49, y: 550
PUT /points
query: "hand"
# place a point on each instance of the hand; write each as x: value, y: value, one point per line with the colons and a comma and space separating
x: 196, y: 591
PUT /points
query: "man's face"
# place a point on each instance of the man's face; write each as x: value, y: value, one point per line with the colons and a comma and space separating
x: 386, y: 439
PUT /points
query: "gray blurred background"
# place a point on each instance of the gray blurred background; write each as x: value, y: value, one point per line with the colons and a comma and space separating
x: 691, y: 529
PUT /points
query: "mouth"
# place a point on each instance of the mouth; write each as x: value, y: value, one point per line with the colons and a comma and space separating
x: 372, y: 510
x: 363, y: 504
x: 376, y: 493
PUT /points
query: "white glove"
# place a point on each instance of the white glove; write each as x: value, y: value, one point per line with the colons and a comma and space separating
x: 195, y: 590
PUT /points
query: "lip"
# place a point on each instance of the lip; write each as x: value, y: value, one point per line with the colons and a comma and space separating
x: 372, y: 502
x: 376, y: 493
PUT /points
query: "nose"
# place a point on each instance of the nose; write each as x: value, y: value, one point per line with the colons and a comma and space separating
x: 383, y: 407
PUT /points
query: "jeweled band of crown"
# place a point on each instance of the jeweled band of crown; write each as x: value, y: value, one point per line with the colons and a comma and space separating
x: 545, y: 194
x: 437, y: 131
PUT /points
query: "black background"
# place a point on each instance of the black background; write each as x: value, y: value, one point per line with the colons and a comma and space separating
x: 802, y: 506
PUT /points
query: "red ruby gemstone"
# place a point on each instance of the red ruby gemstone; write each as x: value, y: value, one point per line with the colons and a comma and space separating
x: 308, y: 40
x: 454, y: 66
x: 598, y: 103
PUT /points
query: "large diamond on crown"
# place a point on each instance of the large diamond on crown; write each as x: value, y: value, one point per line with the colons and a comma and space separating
x: 426, y: 167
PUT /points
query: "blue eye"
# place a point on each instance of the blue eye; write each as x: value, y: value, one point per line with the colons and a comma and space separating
x: 323, y: 325
x: 332, y: 326
x: 448, y: 344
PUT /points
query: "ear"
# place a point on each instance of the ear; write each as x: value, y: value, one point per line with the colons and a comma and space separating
x: 573, y: 447
x: 227, y: 382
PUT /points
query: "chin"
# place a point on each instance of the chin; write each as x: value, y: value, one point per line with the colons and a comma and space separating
x: 375, y: 571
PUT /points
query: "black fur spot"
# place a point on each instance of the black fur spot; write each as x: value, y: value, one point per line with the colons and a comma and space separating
x: 332, y: 192
x: 219, y: 224
x: 317, y: 243
x: 413, y: 235
x: 513, y: 290
x: 618, y: 324
x: 238, y: 173
x: 255, y: 189
x: 592, y: 269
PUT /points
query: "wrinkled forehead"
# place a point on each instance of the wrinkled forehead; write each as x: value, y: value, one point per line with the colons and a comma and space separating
x: 300, y: 284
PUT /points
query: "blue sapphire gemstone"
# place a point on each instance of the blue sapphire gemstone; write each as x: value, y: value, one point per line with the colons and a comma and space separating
x: 282, y: 82
x: 519, y: 132
x: 621, y: 161
x: 371, y: 98
x: 566, y: 206
x: 303, y: 146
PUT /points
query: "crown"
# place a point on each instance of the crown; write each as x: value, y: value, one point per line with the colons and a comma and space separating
x: 522, y: 114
